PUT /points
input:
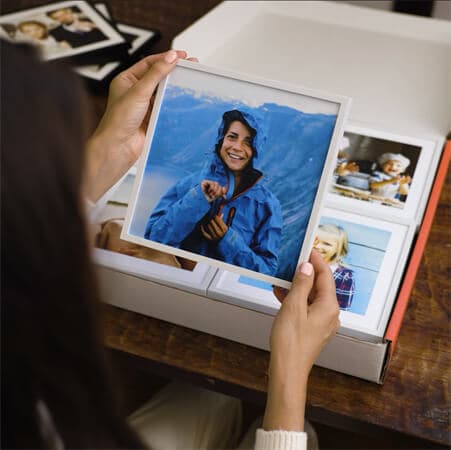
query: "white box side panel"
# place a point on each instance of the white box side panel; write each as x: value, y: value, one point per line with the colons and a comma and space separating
x: 347, y: 355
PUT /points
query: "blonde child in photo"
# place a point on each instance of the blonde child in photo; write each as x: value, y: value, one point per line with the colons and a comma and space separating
x: 390, y: 181
x: 331, y: 242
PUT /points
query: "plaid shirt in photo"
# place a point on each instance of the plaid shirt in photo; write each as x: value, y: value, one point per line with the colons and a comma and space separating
x: 345, y: 287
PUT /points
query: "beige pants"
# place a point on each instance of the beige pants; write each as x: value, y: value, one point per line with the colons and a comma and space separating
x: 184, y: 417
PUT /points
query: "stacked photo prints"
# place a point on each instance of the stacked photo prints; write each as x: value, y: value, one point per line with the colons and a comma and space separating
x: 82, y: 33
x: 231, y: 196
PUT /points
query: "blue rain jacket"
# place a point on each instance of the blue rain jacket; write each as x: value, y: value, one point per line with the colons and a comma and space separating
x: 254, y: 219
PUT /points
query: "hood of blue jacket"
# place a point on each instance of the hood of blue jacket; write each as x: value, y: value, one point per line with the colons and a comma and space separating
x: 256, y: 120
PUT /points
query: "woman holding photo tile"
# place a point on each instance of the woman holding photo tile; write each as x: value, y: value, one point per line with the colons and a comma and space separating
x: 224, y: 212
x: 56, y: 383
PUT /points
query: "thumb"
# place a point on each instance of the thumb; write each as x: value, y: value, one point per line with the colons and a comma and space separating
x: 145, y: 87
x: 301, y: 287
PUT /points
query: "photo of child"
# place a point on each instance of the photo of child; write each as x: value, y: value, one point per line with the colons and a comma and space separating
x: 375, y: 170
x: 354, y: 253
x: 389, y: 181
x: 331, y: 241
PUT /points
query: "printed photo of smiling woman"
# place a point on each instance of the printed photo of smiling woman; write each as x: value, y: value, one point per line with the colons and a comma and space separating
x: 225, y: 212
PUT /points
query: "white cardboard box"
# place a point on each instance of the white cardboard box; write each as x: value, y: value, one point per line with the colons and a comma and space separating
x: 397, y: 69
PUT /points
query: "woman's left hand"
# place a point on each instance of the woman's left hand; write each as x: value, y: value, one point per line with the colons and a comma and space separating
x: 118, y: 140
x: 215, y: 229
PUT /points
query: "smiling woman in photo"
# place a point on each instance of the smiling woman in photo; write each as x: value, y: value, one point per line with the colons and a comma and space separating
x: 224, y: 212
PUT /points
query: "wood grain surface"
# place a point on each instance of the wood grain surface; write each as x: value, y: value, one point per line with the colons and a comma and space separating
x: 415, y: 396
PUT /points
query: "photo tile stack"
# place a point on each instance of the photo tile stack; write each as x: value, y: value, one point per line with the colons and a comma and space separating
x: 257, y: 174
x: 81, y: 33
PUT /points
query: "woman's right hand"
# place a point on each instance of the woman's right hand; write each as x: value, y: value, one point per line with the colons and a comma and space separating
x: 307, y: 319
x: 212, y: 190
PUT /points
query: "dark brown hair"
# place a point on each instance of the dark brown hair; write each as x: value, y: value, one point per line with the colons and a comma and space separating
x: 51, y: 346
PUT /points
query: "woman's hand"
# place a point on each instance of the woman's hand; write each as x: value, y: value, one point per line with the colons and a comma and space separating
x: 300, y: 330
x: 118, y: 140
x: 212, y: 190
x: 215, y: 229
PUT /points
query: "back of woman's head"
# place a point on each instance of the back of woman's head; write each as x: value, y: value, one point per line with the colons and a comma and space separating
x: 51, y: 351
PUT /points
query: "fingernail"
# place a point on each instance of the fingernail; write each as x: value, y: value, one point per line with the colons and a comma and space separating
x: 306, y: 268
x: 170, y: 56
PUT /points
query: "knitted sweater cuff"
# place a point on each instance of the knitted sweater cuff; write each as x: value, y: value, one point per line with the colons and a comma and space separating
x: 280, y: 440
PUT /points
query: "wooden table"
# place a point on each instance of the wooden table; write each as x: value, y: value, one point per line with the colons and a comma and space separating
x: 414, y: 398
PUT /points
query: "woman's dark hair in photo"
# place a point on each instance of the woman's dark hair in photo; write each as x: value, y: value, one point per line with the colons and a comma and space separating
x: 228, y: 118
x: 54, y: 377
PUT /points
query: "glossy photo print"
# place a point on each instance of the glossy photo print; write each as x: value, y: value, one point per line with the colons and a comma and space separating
x: 231, y: 172
x: 61, y: 29
x: 381, y: 173
x: 366, y: 257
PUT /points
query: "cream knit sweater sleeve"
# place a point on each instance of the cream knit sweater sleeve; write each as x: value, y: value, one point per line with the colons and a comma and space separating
x: 280, y: 440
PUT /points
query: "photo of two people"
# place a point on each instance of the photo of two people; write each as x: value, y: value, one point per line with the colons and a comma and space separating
x: 236, y: 179
x: 61, y: 29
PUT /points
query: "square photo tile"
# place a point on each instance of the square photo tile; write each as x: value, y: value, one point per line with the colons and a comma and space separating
x: 234, y: 170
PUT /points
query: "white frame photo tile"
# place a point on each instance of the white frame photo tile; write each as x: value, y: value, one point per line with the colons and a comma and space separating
x: 424, y: 170
x: 220, y: 84
x: 112, y: 36
x: 141, y: 38
x: 373, y: 322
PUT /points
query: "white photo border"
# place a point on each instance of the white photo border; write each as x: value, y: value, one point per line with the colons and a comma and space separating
x: 195, y: 281
x: 421, y: 182
x: 343, y: 104
x: 142, y: 37
x: 114, y: 37
x: 227, y: 288
x: 383, y: 295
